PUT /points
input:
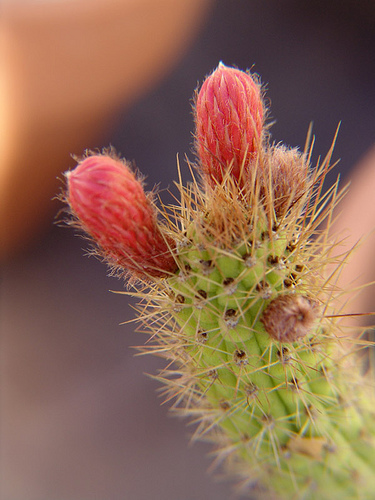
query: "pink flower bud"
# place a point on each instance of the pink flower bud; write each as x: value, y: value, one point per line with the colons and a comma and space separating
x: 229, y: 121
x: 110, y: 205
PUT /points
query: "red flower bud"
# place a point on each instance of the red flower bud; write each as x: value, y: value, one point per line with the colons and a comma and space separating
x: 110, y: 205
x: 229, y: 121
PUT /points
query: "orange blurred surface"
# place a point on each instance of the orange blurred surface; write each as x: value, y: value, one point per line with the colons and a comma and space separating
x: 65, y: 70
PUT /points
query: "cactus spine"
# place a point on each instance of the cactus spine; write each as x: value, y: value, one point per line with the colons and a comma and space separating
x: 245, y: 315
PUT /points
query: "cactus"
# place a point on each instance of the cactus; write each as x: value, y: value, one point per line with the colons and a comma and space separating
x: 235, y: 295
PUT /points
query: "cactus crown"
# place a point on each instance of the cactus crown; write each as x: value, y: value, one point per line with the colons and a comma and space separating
x: 236, y: 297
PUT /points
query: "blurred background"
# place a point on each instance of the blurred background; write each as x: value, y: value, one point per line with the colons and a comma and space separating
x: 79, y: 420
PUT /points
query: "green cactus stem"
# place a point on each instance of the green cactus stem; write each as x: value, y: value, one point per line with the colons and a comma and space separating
x: 258, y: 359
x: 248, y: 312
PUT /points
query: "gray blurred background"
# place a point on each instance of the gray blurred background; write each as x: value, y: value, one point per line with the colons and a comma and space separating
x: 80, y: 420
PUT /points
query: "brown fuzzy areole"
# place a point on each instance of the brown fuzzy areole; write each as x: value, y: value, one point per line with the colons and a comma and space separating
x: 289, y: 317
x: 284, y: 178
x: 289, y: 174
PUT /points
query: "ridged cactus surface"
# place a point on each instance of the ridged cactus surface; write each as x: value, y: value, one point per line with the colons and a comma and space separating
x: 238, y: 292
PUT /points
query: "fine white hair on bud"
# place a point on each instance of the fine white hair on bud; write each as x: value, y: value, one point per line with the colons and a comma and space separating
x: 290, y: 317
